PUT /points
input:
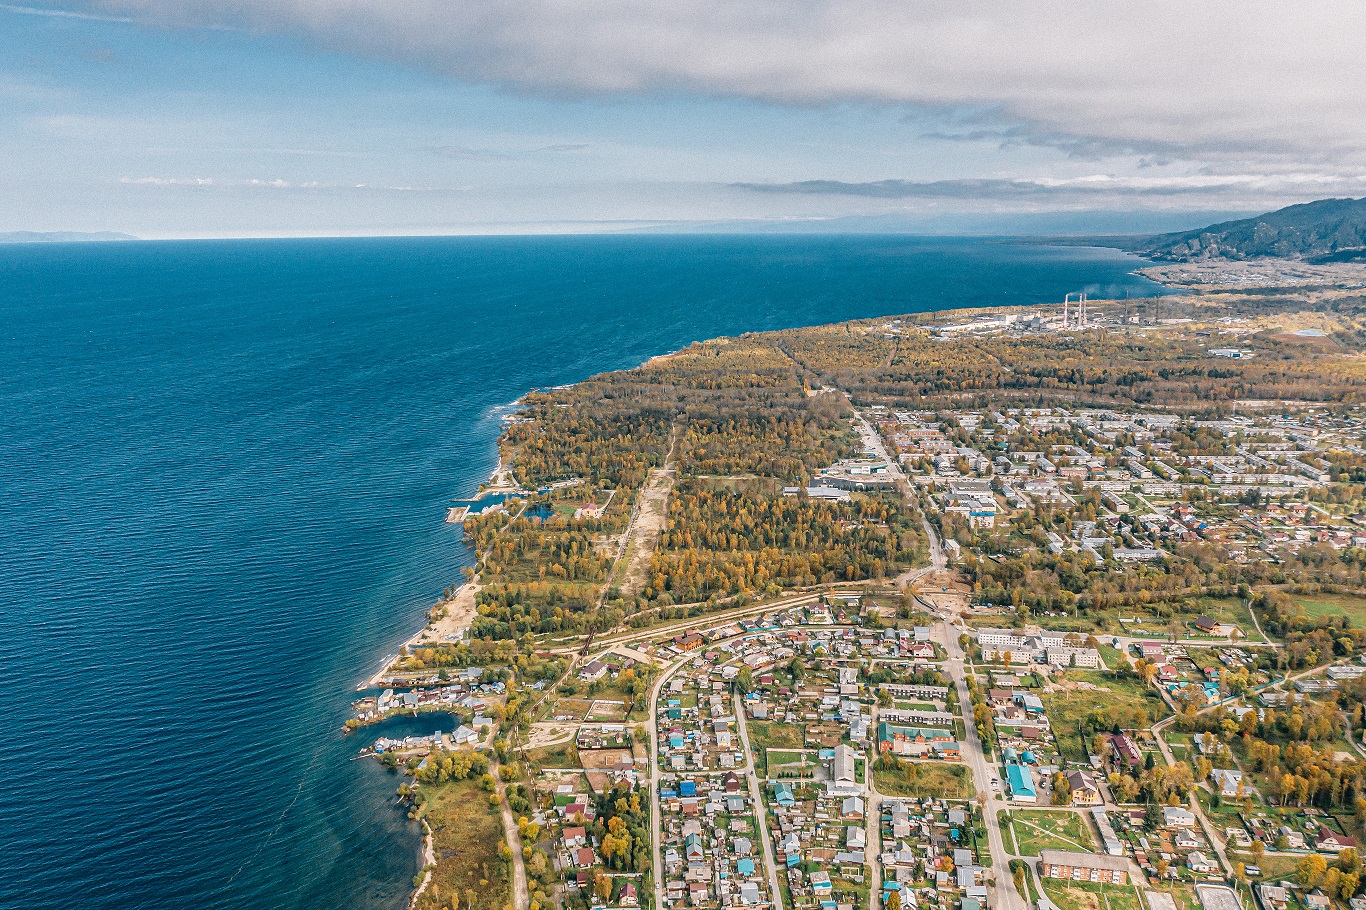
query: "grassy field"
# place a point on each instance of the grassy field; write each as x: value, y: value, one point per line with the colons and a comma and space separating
x: 614, y: 690
x: 1112, y: 657
x: 561, y: 755
x: 1180, y: 743
x: 1068, y: 708
x: 1091, y: 896
x: 1183, y: 894
x: 1151, y: 622
x: 1037, y: 830
x: 1316, y: 605
x: 1092, y: 624
x: 1007, y: 833
x: 924, y: 779
x: 1228, y: 812
x: 786, y: 761
x: 1274, y: 868
x: 467, y: 832
x: 765, y: 734
x: 1227, y: 609
x: 1033, y: 893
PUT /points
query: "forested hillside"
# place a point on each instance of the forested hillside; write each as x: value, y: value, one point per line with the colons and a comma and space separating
x: 1327, y: 230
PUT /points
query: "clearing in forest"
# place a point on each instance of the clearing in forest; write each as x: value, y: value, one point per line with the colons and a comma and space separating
x: 647, y: 525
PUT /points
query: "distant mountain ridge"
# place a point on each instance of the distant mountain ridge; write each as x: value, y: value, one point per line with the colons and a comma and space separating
x: 1329, y: 230
x: 60, y: 236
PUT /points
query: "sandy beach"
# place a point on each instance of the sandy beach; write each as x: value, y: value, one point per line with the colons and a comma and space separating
x: 455, y: 618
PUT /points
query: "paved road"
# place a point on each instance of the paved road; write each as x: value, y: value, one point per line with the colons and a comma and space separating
x: 873, y: 834
x: 770, y: 864
x: 1007, y: 897
x: 1356, y: 743
x: 874, y: 440
x: 604, y: 643
x: 656, y: 823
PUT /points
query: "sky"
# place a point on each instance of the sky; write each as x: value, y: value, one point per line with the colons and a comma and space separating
x: 229, y: 118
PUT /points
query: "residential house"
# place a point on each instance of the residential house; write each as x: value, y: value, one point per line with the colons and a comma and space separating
x: 1084, y: 790
x: 1328, y: 841
x: 843, y: 768
x: 1229, y: 782
x: 1178, y: 817
x: 593, y: 671
x: 1274, y: 897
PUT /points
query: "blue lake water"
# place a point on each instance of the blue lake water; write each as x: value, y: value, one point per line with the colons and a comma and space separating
x: 224, y: 468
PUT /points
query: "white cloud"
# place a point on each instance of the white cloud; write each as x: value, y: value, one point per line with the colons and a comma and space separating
x: 59, y: 13
x: 167, y: 181
x: 1261, y: 81
x: 270, y: 184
